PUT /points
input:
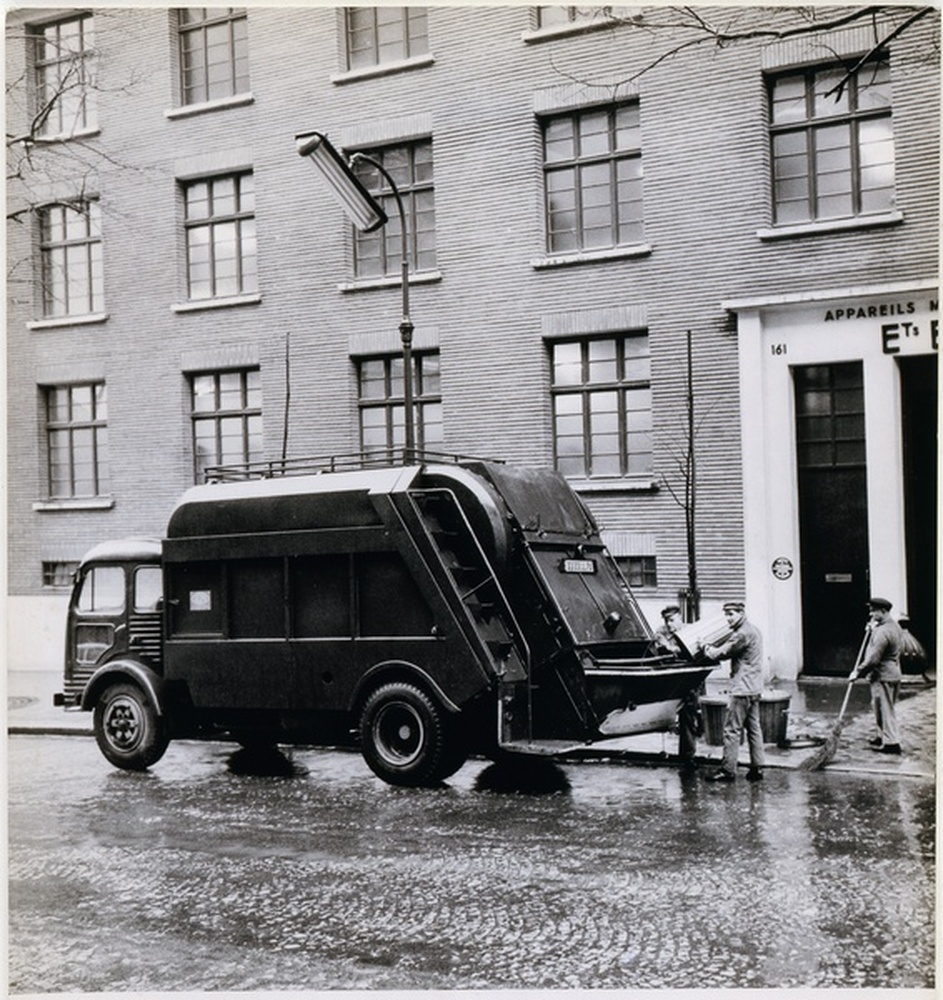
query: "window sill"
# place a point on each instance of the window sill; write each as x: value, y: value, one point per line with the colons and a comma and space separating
x: 384, y: 69
x: 221, y: 303
x: 84, y: 133
x: 188, y: 110
x: 60, y: 321
x: 833, y: 226
x: 75, y: 503
x: 533, y: 35
x: 630, y: 484
x: 591, y: 256
x: 365, y: 284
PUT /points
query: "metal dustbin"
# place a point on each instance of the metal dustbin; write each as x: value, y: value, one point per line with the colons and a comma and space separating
x: 712, y: 709
x: 774, y: 717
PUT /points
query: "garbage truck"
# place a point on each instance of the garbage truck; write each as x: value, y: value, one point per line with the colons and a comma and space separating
x: 429, y: 610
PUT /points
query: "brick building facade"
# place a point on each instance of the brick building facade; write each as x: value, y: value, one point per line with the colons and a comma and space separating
x: 174, y: 265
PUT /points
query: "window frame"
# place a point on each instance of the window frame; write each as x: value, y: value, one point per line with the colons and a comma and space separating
x: 95, y: 425
x: 237, y: 46
x: 55, y: 110
x: 249, y: 410
x: 811, y: 124
x: 585, y: 389
x: 392, y: 403
x: 412, y: 44
x: 59, y: 574
x: 56, y: 276
x: 241, y: 218
x: 581, y: 165
x: 417, y: 192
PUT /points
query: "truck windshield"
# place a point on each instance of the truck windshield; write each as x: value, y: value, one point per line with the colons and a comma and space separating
x: 102, y: 591
x: 591, y: 595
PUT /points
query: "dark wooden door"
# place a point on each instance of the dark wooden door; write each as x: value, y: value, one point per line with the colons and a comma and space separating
x: 919, y: 393
x: 833, y: 514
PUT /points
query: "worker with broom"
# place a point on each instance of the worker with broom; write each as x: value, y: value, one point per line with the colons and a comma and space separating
x: 880, y: 663
x: 745, y: 651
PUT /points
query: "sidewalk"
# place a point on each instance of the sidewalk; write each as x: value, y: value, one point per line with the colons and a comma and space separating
x: 813, y: 712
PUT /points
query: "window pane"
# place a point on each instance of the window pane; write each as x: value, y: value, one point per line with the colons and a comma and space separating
x: 567, y: 364
x: 789, y: 99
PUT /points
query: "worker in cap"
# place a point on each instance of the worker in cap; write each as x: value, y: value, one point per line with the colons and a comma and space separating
x: 690, y: 723
x: 665, y: 633
x: 744, y: 649
x: 879, y: 662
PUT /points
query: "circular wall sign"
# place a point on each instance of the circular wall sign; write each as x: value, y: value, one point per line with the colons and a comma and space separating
x: 782, y: 568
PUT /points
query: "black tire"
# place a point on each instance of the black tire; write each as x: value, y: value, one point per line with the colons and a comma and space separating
x: 405, y: 737
x: 128, y: 729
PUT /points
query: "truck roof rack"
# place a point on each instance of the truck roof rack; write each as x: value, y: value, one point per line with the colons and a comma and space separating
x: 315, y: 464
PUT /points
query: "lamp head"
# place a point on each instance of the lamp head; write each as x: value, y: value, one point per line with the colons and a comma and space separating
x: 359, y: 205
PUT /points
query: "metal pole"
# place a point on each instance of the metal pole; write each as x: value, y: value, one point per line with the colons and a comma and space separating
x: 406, y: 326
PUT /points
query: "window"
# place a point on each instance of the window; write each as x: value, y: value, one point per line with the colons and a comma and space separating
x: 381, y: 253
x: 593, y: 179
x: 382, y: 410
x: 832, y: 143
x: 70, y: 252
x: 102, y: 591
x: 148, y: 588
x: 830, y: 415
x: 64, y: 80
x: 639, y: 571
x: 377, y: 35
x: 226, y: 410
x: 220, y: 230
x: 77, y: 440
x: 59, y: 575
x: 602, y: 406
x: 561, y: 17
x: 214, y: 53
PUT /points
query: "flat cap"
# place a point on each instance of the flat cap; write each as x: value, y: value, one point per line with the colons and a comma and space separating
x: 880, y: 604
x: 734, y: 606
x: 672, y: 609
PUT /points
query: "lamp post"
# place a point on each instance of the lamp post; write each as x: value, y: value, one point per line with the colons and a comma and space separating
x: 368, y: 215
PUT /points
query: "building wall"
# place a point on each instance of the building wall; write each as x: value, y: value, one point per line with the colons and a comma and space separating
x: 495, y: 299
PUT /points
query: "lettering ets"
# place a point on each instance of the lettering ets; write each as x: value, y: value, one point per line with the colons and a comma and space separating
x: 430, y: 611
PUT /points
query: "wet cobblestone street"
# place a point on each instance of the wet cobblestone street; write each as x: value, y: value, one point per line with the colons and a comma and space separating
x: 601, y: 875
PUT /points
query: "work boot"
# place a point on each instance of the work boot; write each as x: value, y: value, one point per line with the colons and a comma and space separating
x: 754, y: 774
x: 893, y: 748
x: 875, y: 742
x: 721, y: 775
x: 688, y: 767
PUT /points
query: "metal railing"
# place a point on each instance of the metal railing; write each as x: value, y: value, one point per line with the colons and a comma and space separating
x: 316, y: 464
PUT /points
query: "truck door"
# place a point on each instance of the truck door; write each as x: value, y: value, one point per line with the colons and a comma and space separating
x: 99, y: 614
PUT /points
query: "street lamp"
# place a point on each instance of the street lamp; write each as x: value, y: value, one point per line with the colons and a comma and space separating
x: 367, y: 215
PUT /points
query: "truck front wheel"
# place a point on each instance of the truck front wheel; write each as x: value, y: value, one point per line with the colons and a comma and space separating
x: 128, y: 729
x: 406, y: 738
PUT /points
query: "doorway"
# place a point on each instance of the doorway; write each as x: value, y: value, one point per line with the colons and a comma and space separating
x: 919, y: 393
x: 833, y: 514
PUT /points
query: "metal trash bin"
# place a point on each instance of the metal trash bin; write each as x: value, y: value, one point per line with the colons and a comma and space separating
x: 774, y: 717
x: 713, y: 709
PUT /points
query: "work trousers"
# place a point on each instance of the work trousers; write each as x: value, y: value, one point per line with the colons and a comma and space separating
x: 743, y: 710
x: 689, y: 725
x: 883, y: 700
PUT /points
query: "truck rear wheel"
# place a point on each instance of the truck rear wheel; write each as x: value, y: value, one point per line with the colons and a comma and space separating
x: 128, y: 729
x: 406, y: 738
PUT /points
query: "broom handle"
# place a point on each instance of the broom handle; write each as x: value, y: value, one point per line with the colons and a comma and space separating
x: 851, y: 679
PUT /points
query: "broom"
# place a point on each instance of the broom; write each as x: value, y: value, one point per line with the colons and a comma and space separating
x: 826, y: 752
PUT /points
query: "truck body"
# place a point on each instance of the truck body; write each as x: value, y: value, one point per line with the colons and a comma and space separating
x: 430, y: 610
